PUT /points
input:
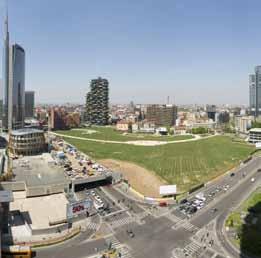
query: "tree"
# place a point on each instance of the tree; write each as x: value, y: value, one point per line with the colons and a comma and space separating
x: 199, y: 130
x: 256, y: 124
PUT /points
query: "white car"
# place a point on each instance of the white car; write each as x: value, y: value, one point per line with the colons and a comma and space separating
x: 93, y: 193
x: 252, y: 179
x: 98, y: 198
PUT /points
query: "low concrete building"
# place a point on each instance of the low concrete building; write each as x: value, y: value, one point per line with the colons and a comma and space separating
x: 255, y: 135
x: 205, y: 124
x: 27, y: 141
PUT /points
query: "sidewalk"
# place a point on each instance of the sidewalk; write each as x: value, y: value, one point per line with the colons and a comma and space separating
x: 53, y: 238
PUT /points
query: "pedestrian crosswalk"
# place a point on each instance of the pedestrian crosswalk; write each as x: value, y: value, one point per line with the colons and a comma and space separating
x: 193, y: 249
x: 121, y: 222
x: 92, y: 226
x: 186, y: 225
x: 173, y: 218
x: 122, y: 250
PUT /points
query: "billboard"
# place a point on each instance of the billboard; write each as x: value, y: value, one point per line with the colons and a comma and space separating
x: 76, y: 208
x: 168, y: 189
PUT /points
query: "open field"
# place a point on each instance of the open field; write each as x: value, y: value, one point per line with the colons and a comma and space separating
x: 110, y: 134
x: 185, y: 164
x: 246, y: 221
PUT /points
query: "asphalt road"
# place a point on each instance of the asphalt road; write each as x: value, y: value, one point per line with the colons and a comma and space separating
x: 156, y: 237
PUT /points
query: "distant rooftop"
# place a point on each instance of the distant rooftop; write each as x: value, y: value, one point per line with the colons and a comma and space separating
x: 25, y: 131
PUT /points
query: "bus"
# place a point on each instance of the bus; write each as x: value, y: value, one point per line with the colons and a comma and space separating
x: 16, y: 251
x: 98, y: 205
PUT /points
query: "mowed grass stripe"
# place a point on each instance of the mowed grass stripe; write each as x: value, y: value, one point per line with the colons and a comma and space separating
x: 184, y: 164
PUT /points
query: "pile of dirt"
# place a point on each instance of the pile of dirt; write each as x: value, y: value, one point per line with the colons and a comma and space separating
x: 141, y: 179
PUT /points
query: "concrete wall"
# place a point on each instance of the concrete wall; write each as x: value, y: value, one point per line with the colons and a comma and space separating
x: 13, y: 186
x: 52, y: 230
x: 45, y: 190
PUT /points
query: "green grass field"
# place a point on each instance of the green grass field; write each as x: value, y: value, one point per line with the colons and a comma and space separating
x: 109, y: 133
x: 249, y: 233
x: 185, y: 164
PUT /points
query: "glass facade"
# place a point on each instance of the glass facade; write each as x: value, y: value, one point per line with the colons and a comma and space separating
x: 29, y: 104
x: 255, y: 92
x: 13, y: 96
x: 258, y: 90
x: 252, y: 93
x: 18, y: 82
x: 5, y: 79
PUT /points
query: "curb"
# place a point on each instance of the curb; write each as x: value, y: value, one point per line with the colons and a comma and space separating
x: 39, y: 244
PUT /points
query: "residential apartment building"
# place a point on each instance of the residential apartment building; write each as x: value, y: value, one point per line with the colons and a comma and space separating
x: 243, y: 123
x: 97, y: 102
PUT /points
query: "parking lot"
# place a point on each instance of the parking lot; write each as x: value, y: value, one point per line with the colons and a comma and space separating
x: 76, y: 165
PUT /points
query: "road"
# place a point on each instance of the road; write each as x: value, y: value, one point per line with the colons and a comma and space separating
x: 159, y: 236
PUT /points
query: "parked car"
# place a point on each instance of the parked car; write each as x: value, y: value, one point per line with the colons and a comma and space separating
x: 183, y: 201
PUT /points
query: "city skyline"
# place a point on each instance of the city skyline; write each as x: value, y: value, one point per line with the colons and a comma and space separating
x: 177, y: 50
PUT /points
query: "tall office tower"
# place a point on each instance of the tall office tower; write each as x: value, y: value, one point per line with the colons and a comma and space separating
x: 17, y: 80
x: 252, y: 93
x: 97, y: 102
x: 29, y: 104
x: 5, y: 81
x: 13, y: 84
x: 255, y: 92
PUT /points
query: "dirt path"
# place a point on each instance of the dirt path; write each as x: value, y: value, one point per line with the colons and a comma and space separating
x: 140, y: 143
x: 141, y: 179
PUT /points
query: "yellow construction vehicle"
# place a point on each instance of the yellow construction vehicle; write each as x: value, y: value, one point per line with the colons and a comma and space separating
x: 112, y: 253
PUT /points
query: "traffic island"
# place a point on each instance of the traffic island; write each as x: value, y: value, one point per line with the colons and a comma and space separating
x: 243, y: 226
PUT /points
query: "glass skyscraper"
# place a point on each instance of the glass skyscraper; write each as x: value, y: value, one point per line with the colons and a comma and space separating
x: 17, y: 79
x: 5, y: 80
x: 13, y: 84
x: 255, y: 92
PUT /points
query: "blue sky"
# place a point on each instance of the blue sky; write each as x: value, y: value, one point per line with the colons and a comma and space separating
x: 195, y: 51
